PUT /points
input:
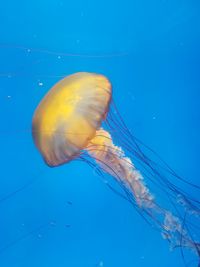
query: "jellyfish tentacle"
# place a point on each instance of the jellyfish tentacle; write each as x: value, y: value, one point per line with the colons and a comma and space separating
x: 114, y: 162
x: 105, y: 151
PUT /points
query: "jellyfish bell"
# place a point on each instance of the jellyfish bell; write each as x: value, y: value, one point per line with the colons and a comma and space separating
x: 67, y: 124
x: 69, y: 115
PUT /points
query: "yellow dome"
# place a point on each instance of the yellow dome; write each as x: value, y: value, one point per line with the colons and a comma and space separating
x: 69, y: 115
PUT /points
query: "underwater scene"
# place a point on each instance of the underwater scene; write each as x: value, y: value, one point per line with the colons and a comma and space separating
x: 99, y: 133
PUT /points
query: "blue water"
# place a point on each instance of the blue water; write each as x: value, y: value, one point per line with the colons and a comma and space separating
x: 66, y: 216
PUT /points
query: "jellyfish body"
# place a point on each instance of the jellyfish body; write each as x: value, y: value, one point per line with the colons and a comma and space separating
x: 68, y: 124
x: 69, y: 115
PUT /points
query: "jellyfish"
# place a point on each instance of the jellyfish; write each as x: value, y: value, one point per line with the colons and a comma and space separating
x: 78, y: 119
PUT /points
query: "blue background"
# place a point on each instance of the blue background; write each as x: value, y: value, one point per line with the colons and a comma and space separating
x: 66, y: 216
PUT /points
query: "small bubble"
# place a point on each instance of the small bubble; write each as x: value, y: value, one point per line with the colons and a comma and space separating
x: 40, y: 83
x: 28, y: 50
x: 154, y: 117
x: 59, y: 57
x: 78, y: 41
x: 53, y: 223
x: 39, y: 236
x: 9, y: 96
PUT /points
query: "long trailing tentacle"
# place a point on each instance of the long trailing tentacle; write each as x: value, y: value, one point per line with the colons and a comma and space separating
x: 113, y: 161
